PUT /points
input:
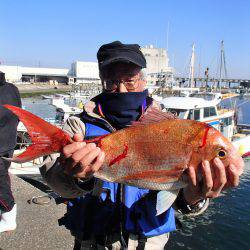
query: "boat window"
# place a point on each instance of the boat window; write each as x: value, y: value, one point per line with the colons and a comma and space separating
x: 209, y: 111
x: 197, y: 114
x: 206, y: 112
x: 190, y: 114
x: 212, y: 111
x: 194, y: 114
x: 178, y: 112
x: 227, y: 121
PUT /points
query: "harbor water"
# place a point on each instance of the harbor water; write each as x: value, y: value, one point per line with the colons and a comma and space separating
x: 226, y: 223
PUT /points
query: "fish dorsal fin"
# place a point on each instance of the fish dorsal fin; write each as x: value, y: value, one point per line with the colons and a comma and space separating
x: 153, y: 115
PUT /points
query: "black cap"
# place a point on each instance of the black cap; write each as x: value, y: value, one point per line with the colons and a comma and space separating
x: 119, y: 52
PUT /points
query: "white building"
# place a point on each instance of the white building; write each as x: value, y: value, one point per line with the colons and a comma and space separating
x: 157, y: 64
x: 85, y: 72
x: 32, y: 74
x: 80, y: 72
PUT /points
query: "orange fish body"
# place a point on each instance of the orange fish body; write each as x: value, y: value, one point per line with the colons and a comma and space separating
x: 152, y: 155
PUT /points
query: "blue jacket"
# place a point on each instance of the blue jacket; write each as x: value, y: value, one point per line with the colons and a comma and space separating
x: 114, y: 205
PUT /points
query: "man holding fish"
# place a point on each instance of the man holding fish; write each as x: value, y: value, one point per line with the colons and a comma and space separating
x: 124, y: 100
x: 123, y: 163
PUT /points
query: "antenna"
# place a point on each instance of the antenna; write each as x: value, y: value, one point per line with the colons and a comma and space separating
x: 167, y: 35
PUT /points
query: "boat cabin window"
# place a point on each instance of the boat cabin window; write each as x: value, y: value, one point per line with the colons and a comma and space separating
x: 197, y: 114
x: 209, y: 111
x: 227, y: 121
x: 194, y: 114
x: 178, y: 112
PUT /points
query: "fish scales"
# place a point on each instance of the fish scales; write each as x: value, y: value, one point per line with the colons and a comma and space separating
x: 157, y: 152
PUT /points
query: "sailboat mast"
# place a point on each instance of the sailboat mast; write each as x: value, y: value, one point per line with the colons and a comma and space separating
x: 221, y: 63
x: 191, y: 69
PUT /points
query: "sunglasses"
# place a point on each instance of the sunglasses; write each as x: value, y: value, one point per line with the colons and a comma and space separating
x: 130, y: 84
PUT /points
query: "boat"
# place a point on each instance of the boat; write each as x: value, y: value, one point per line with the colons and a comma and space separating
x: 64, y: 112
x: 199, y: 109
x: 73, y: 104
x: 211, y: 112
x: 47, y: 96
x: 57, y: 95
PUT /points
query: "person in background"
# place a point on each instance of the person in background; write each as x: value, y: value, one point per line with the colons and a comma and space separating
x: 9, y: 94
x: 104, y: 215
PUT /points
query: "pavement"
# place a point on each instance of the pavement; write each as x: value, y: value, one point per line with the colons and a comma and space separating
x: 37, y: 226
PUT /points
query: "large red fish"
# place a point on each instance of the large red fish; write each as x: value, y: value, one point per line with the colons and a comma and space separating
x: 156, y: 149
x: 152, y: 153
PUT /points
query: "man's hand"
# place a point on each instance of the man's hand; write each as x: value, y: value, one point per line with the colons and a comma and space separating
x: 81, y: 159
x: 215, y: 178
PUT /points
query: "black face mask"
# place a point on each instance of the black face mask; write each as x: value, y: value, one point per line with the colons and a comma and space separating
x: 120, y: 109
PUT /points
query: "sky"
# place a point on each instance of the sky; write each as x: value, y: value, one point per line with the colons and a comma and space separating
x: 55, y: 33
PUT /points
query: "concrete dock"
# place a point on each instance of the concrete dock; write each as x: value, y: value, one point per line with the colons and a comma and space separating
x: 37, y: 226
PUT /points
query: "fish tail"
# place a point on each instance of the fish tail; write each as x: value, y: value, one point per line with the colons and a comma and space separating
x: 46, y: 138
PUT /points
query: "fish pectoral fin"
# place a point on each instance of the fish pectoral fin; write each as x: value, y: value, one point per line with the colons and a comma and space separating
x: 164, y: 200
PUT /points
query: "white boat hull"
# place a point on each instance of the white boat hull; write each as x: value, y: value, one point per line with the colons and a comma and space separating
x: 28, y: 168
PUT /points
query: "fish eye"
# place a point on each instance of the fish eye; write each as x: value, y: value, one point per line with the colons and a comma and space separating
x: 221, y: 154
